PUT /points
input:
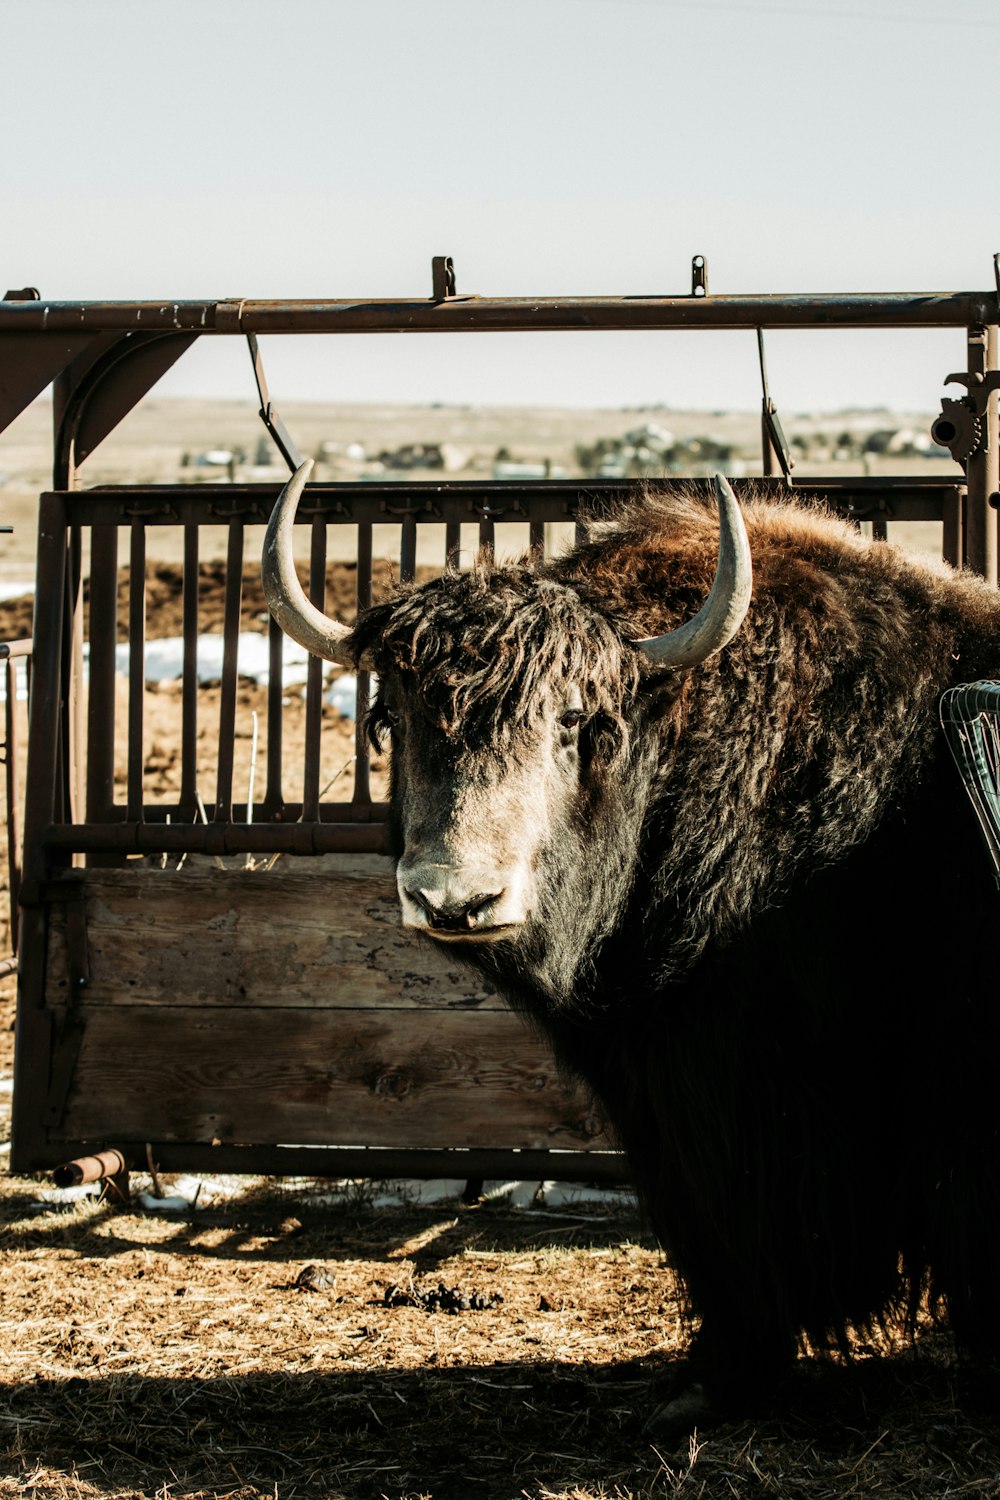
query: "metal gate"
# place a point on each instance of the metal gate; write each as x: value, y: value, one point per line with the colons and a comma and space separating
x: 280, y: 1020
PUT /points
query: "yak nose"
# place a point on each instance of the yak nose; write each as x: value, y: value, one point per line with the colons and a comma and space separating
x: 454, y: 916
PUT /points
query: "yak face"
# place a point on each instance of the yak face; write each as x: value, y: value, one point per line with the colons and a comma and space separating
x: 510, y: 704
x: 478, y: 825
x: 521, y: 771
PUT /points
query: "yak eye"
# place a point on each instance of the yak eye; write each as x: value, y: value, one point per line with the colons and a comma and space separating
x: 572, y: 718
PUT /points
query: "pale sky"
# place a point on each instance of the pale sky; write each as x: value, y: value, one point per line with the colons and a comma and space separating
x: 330, y: 148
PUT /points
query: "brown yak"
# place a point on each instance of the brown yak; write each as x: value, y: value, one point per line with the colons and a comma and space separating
x: 725, y: 864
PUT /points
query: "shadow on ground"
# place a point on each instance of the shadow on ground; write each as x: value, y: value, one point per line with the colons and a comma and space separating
x: 504, y: 1430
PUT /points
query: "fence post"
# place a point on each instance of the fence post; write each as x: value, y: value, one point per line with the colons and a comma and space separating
x: 984, y: 464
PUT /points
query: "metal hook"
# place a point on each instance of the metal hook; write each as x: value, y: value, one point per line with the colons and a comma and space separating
x: 773, y: 432
x: 283, y: 440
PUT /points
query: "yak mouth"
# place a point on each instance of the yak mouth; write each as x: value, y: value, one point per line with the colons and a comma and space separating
x: 501, y: 933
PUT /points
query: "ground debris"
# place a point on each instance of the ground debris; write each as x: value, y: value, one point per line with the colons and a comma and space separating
x: 314, y: 1279
x: 439, y: 1298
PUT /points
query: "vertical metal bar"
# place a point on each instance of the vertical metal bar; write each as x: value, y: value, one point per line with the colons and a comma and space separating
x: 230, y: 660
x: 73, y: 665
x: 136, y: 668
x: 536, y: 540
x: 362, y: 797
x: 880, y: 530
x: 983, y: 468
x: 273, y: 795
x: 487, y: 535
x: 452, y: 544
x: 13, y: 809
x: 953, y: 529
x: 770, y: 459
x: 314, y: 679
x: 103, y: 629
x: 408, y: 550
x: 33, y: 1028
x: 189, y: 674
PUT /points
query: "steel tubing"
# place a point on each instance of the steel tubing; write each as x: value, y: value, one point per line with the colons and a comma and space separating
x: 89, y: 1169
x: 482, y: 314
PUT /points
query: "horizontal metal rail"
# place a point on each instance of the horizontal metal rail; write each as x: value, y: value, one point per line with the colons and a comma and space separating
x: 132, y: 837
x: 376, y: 1162
x: 909, y: 498
x: 458, y: 314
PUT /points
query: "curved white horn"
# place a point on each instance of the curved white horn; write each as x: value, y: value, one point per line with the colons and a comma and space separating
x: 724, y: 611
x: 286, y: 598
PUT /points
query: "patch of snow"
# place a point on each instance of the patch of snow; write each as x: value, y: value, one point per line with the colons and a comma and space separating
x: 16, y: 590
x: 165, y: 658
x: 164, y: 662
x: 171, y: 1204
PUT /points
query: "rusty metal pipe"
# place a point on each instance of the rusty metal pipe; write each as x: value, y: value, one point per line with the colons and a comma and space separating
x: 89, y: 1169
x: 856, y: 310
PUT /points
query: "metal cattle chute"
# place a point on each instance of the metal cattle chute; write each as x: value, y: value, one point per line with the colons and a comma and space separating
x: 280, y: 1021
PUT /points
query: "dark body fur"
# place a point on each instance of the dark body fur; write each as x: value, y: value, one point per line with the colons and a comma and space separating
x: 766, y: 937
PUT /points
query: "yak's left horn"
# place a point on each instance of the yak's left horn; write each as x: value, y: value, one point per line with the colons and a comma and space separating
x: 286, y: 599
x: 724, y: 611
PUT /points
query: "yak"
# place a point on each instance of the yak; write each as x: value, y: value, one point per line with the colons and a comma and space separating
x: 706, y: 835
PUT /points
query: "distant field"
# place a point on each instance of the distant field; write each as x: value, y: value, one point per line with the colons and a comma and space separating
x: 151, y: 444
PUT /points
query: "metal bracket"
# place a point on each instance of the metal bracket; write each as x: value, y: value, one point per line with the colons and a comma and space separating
x: 699, y: 276
x: 980, y: 387
x: 249, y: 511
x: 961, y: 426
x: 488, y: 510
x: 771, y: 422
x: 425, y: 508
x: 151, y: 511
x: 324, y: 510
x: 442, y: 278
x: 282, y: 438
x: 22, y: 294
x: 877, y: 508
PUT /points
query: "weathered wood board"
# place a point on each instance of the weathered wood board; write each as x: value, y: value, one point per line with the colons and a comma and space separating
x: 285, y: 938
x: 238, y: 1007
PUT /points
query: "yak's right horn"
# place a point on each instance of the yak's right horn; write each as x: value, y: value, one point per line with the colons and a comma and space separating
x: 286, y: 598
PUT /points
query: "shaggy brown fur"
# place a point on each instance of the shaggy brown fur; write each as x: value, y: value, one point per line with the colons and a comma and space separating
x: 806, y: 1097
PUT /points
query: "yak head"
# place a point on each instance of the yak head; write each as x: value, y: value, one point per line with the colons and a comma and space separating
x: 508, y: 698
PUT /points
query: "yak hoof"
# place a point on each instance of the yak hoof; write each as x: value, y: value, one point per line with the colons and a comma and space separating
x: 684, y: 1412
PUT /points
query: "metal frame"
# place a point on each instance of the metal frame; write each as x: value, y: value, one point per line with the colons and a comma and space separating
x: 104, y: 358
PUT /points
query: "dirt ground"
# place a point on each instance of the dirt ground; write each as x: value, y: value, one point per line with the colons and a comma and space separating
x: 295, y: 1340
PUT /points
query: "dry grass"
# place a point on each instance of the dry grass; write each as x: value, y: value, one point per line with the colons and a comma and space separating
x: 153, y: 1356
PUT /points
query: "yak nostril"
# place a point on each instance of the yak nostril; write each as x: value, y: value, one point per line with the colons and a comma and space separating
x: 453, y: 916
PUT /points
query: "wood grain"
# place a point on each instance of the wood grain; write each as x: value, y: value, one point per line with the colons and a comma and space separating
x: 248, y: 1008
x: 238, y: 937
x: 338, y: 1077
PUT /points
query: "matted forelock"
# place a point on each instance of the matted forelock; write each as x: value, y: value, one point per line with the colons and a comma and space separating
x: 486, y: 650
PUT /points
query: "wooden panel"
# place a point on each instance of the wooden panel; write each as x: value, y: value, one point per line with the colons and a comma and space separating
x: 238, y: 937
x: 338, y: 1077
